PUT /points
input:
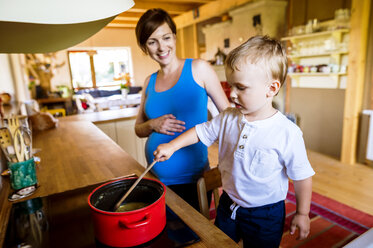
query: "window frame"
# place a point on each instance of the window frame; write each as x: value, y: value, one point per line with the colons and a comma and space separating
x: 91, y: 51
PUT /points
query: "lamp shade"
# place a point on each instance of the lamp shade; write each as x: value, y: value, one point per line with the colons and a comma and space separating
x: 41, y: 26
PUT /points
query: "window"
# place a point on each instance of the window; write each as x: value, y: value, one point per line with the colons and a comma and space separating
x: 99, y: 67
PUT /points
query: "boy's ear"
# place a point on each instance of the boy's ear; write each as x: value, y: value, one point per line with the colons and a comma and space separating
x: 274, y: 88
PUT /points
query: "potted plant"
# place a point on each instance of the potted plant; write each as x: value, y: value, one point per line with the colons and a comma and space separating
x: 125, y: 83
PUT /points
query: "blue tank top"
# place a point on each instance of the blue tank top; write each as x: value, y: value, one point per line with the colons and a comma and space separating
x: 187, y: 101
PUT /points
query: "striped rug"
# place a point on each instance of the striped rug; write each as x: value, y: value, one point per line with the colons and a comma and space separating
x: 333, y: 224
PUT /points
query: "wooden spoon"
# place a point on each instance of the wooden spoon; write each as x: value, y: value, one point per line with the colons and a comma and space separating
x: 133, y: 186
x: 19, y: 145
x: 27, y: 139
x: 5, y: 142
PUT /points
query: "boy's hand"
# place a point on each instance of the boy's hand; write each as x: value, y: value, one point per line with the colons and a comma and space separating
x: 303, y: 223
x: 163, y: 152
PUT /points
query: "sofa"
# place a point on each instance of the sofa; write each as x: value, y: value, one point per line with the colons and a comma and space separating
x: 93, y: 100
x: 95, y: 93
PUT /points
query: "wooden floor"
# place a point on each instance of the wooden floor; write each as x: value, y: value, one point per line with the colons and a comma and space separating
x: 348, y: 184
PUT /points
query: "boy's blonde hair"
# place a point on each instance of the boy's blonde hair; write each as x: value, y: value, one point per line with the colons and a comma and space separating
x: 261, y: 49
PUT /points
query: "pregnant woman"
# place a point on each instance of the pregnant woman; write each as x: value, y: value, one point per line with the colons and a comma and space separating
x: 174, y: 99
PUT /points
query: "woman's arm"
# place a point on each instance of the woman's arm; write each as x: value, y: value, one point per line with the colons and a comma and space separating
x: 204, y: 74
x: 166, y: 124
x: 142, y: 125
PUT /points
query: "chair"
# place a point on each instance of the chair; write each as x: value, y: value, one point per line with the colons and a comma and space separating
x: 86, y: 98
x: 211, y: 180
x: 29, y: 107
x: 55, y: 112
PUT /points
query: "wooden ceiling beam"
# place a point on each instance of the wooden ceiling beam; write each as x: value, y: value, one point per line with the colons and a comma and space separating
x: 207, y: 11
x: 126, y: 18
x: 121, y: 25
x: 129, y: 17
x: 182, y: 1
x: 129, y: 14
x: 115, y: 21
x: 171, y: 8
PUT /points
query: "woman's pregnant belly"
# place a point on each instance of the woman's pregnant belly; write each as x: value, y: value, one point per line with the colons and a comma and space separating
x: 185, y: 165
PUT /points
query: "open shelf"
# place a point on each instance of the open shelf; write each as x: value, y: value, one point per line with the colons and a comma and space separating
x: 299, y: 74
x: 318, y: 54
x: 313, y: 35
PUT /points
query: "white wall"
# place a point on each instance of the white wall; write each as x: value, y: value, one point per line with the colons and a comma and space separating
x: 62, y: 74
x: 321, y: 118
x: 6, y: 78
x: 109, y: 37
x: 113, y: 37
x: 214, y: 37
x: 240, y: 28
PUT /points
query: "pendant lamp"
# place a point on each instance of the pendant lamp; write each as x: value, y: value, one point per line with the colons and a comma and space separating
x: 42, y: 26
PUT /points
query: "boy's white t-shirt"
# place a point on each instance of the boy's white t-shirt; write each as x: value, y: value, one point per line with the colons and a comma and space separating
x: 256, y: 158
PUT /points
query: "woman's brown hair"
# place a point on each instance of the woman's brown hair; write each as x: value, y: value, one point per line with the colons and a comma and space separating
x: 149, y: 22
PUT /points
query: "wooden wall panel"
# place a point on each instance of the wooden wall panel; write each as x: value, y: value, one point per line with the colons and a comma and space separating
x: 180, y: 48
x: 368, y: 103
x: 190, y: 42
x: 360, y: 16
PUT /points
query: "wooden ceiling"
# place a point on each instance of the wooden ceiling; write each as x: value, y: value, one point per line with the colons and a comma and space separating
x: 175, y: 8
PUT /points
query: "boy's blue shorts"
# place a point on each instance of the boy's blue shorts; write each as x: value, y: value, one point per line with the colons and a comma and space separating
x: 257, y: 227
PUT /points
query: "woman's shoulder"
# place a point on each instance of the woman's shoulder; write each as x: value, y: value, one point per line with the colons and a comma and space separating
x: 147, y: 79
x: 146, y: 82
x: 200, y: 65
x: 202, y: 71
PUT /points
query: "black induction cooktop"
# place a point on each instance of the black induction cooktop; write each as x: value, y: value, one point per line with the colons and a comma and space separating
x: 43, y: 222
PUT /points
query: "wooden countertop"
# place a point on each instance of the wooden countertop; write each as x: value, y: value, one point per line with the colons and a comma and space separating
x: 104, y: 116
x: 77, y: 154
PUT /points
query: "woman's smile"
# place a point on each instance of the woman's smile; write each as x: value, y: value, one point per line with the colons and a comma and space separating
x: 164, y: 55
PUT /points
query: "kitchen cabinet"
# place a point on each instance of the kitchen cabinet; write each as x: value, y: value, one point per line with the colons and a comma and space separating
x: 318, y: 60
x: 140, y: 148
x: 122, y: 132
x: 109, y: 128
x: 128, y: 140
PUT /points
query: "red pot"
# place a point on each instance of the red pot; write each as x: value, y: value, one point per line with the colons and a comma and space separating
x: 125, y: 229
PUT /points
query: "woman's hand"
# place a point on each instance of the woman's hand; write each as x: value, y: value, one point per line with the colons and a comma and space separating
x: 167, y: 124
x: 163, y: 152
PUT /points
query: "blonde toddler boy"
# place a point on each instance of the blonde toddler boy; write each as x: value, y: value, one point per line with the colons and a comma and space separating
x: 259, y: 149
